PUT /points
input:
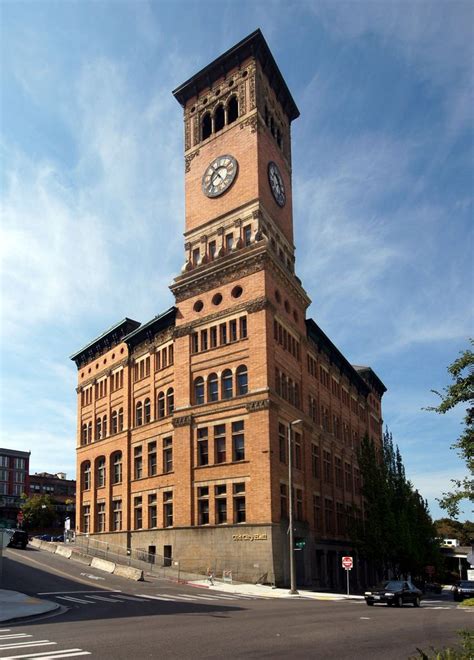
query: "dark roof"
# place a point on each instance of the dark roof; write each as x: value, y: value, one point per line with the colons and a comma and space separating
x: 253, y: 45
x: 105, y: 341
x: 323, y: 342
x: 150, y: 329
x: 369, y: 375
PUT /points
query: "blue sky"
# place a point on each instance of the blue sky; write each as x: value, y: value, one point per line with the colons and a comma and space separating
x: 92, y: 189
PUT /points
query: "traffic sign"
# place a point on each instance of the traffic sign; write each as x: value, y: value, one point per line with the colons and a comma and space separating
x: 347, y: 563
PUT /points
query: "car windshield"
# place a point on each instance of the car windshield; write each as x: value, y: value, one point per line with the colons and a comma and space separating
x: 469, y: 584
x: 393, y: 585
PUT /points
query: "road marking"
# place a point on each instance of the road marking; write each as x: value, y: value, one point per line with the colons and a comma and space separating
x: 138, y: 600
x: 156, y: 597
x: 106, y: 600
x: 41, y: 642
x: 74, y: 600
x: 92, y: 577
x: 70, y: 653
x: 13, y: 635
x: 365, y: 618
x: 89, y: 591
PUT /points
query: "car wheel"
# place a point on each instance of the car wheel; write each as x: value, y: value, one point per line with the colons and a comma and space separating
x: 398, y: 601
x: 416, y: 602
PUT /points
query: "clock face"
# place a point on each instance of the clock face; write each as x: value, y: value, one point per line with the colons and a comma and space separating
x: 276, y: 184
x: 219, y: 176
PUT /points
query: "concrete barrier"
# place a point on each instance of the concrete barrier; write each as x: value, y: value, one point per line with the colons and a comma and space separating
x: 49, y: 547
x: 36, y: 543
x: 129, y: 572
x: 81, y: 558
x: 63, y: 551
x: 103, y: 565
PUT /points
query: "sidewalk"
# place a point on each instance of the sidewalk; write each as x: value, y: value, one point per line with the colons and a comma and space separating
x: 15, y: 605
x: 269, y: 592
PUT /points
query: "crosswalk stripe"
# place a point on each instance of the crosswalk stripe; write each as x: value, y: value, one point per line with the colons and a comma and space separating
x: 74, y: 600
x: 12, y: 636
x: 49, y: 654
x: 24, y: 645
x: 156, y: 597
x: 106, y: 600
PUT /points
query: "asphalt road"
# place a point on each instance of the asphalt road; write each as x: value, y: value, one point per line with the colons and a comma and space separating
x: 110, y: 617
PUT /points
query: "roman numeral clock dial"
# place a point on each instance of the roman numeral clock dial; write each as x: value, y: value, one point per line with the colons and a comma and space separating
x: 219, y: 176
x: 276, y: 184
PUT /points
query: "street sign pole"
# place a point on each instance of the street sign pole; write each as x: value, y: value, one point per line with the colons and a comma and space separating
x: 347, y: 564
x: 347, y: 575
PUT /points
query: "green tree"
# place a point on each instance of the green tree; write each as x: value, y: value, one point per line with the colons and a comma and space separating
x: 447, y: 528
x: 38, y: 512
x: 396, y: 533
x: 460, y: 392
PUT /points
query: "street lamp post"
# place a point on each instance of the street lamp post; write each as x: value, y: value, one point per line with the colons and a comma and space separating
x: 293, y: 589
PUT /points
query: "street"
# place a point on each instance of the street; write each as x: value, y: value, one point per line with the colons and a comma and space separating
x: 109, y: 617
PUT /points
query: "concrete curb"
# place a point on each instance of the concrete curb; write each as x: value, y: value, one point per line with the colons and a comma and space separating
x: 16, y: 605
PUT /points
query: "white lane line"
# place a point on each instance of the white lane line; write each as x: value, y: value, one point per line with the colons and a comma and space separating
x: 89, y: 591
x: 46, y: 654
x: 138, y: 600
x: 64, y: 654
x: 74, y: 600
x: 5, y: 630
x: 40, y: 642
x: 106, y: 600
x: 156, y: 597
x: 12, y: 636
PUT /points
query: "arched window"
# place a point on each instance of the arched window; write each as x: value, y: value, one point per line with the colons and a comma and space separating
x: 199, y: 390
x: 114, y: 428
x: 206, y: 126
x: 219, y: 118
x: 86, y: 475
x: 232, y: 109
x: 227, y: 384
x: 98, y: 429
x: 104, y: 426
x: 139, y: 414
x: 161, y: 405
x: 212, y: 388
x: 89, y: 432
x: 170, y: 401
x: 242, y: 380
x: 101, y: 472
x: 147, y: 411
x: 120, y: 419
x: 117, y: 467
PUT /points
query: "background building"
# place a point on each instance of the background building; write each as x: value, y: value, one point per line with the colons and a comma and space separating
x: 14, y: 481
x: 62, y: 492
x: 183, y: 421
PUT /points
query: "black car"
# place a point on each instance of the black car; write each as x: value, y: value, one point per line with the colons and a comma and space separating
x: 18, y: 538
x: 463, y: 589
x: 394, y: 592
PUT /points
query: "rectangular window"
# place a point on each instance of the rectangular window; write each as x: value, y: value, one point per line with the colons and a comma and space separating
x: 220, y: 493
x: 194, y: 342
x: 203, y: 505
x: 152, y: 511
x: 117, y: 515
x: 86, y: 518
x: 282, y: 442
x: 338, y: 472
x: 283, y: 501
x: 299, y: 504
x: 238, y: 441
x: 223, y: 333
x: 196, y: 255
x: 229, y: 242
x: 348, y: 477
x: 239, y: 503
x: 101, y: 517
x: 212, y: 250
x: 152, y: 463
x: 170, y: 354
x: 219, y: 443
x: 233, y: 330
x: 247, y: 235
x: 157, y: 360
x: 213, y: 336
x: 327, y: 464
x: 297, y: 449
x: 202, y: 447
x: 138, y: 512
x: 204, y: 345
x: 168, y: 508
x: 315, y: 461
x: 328, y: 516
x: 138, y: 462
x: 340, y: 519
x: 243, y: 327
x: 167, y: 455
x: 317, y: 520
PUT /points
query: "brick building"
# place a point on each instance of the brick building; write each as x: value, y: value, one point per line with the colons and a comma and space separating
x: 61, y: 490
x: 14, y: 481
x: 182, y: 421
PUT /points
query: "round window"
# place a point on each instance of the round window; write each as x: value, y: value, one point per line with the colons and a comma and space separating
x: 217, y: 299
x: 236, y: 292
x: 198, y: 305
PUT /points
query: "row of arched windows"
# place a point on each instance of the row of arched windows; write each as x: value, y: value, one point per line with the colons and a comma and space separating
x: 101, y: 471
x: 101, y: 427
x: 287, y: 388
x: 164, y: 407
x: 215, y: 388
x: 222, y: 116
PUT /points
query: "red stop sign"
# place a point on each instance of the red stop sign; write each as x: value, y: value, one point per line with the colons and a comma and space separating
x: 347, y: 563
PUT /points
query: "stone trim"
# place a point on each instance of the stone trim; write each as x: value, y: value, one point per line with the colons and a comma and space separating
x: 186, y: 420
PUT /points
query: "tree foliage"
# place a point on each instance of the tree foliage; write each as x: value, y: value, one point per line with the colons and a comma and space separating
x: 460, y: 392
x: 38, y: 512
x: 396, y: 533
x: 448, y: 528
